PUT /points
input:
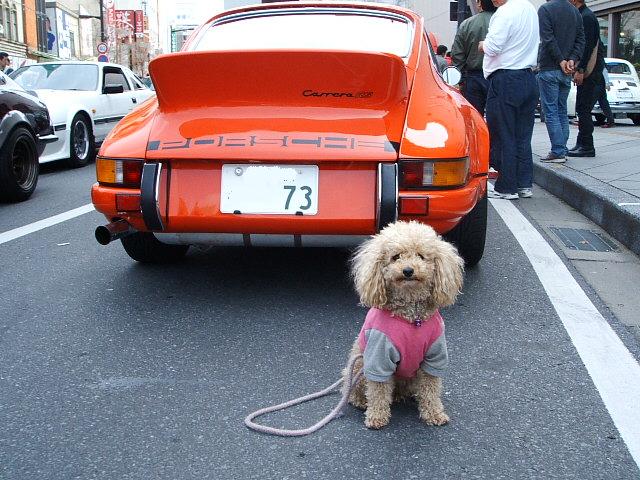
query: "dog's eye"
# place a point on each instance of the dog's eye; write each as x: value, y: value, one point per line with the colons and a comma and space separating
x: 395, y: 257
x: 421, y: 257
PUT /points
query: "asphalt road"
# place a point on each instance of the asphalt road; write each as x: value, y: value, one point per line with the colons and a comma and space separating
x: 114, y: 370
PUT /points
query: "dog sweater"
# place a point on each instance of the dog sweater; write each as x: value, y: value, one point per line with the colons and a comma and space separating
x: 393, y: 346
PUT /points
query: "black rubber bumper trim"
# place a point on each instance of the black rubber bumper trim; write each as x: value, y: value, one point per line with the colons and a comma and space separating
x: 149, y: 196
x: 387, y: 194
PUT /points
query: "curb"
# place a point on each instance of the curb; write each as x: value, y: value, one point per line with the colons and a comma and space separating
x: 600, y: 202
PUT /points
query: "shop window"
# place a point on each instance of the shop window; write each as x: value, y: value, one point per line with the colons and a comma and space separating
x: 604, y: 30
x: 629, y: 37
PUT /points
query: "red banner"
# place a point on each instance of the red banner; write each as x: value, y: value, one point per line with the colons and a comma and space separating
x: 139, y: 25
x: 125, y: 19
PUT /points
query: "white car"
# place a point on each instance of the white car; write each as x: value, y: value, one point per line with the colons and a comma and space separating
x: 85, y: 101
x: 623, y: 96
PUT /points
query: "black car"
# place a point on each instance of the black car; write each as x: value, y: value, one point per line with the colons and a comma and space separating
x: 25, y: 129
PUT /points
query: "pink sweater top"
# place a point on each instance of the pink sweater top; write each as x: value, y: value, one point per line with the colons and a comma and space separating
x: 411, y: 341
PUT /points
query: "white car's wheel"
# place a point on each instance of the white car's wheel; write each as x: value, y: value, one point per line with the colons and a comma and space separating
x: 82, y: 144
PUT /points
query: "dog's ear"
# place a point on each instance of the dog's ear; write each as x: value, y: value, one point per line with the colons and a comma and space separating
x: 449, y: 267
x: 366, y: 269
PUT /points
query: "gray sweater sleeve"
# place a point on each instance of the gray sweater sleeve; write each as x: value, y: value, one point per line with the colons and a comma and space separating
x: 436, y: 358
x: 380, y: 356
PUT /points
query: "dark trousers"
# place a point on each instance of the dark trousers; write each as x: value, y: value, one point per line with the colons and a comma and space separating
x: 511, y: 103
x: 474, y: 88
x: 603, y: 101
x: 586, y: 98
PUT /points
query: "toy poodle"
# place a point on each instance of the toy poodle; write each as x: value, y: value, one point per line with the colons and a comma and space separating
x: 404, y: 275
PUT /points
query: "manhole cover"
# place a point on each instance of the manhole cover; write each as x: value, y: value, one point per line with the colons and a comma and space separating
x: 587, y: 240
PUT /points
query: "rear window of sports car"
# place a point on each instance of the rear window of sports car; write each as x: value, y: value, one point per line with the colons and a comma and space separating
x: 316, y: 31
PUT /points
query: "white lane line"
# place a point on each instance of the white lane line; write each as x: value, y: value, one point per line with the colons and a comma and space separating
x: 614, y: 371
x: 47, y: 222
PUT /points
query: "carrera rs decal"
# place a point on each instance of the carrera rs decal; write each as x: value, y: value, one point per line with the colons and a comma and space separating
x: 313, y: 93
x: 286, y: 141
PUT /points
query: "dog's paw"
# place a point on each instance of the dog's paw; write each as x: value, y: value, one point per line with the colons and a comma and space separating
x: 439, y: 418
x: 375, y: 423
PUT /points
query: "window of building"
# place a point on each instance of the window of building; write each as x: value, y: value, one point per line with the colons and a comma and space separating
x: 629, y: 37
x: 41, y: 25
x: 3, y: 33
x: 14, y: 23
x: 603, y: 21
x: 6, y: 24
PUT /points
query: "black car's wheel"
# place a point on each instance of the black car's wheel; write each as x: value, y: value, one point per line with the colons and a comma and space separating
x: 19, y: 166
x: 600, y: 118
x: 82, y: 143
x: 144, y: 247
x: 635, y: 117
x: 470, y: 234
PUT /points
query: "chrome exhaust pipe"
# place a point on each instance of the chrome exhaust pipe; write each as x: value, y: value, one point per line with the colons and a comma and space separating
x: 105, y: 234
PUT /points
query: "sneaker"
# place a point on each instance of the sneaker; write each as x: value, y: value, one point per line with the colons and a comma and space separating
x: 553, y: 158
x: 493, y: 173
x: 525, y: 193
x: 503, y: 196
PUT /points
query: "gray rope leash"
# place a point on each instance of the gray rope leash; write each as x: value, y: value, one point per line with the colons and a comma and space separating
x: 336, y: 412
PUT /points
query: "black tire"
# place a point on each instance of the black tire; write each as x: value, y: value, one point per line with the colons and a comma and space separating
x: 470, y: 234
x: 19, y: 166
x: 82, y: 145
x: 145, y: 248
x: 635, y: 117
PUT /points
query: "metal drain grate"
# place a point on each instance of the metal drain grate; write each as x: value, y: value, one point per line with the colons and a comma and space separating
x: 586, y: 240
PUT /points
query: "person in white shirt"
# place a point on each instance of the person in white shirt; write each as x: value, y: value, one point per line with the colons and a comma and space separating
x: 510, y: 54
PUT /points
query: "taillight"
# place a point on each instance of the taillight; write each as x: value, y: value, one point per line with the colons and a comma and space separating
x: 442, y: 173
x: 125, y: 172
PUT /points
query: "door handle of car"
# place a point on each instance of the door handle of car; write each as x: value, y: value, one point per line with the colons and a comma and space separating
x: 134, y: 100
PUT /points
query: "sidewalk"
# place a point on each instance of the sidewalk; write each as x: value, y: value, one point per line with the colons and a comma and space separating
x: 606, y: 188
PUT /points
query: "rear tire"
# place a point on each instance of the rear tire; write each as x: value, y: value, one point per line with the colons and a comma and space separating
x: 635, y: 117
x: 601, y: 119
x: 19, y: 166
x: 144, y: 247
x: 470, y: 234
x: 82, y: 144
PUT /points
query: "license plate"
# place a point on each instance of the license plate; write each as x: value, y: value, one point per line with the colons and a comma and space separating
x: 622, y: 94
x: 269, y: 189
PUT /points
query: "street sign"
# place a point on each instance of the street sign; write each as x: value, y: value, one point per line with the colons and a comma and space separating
x: 102, y: 48
x: 103, y: 58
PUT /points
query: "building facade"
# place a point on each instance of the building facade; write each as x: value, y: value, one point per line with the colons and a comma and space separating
x: 619, y: 28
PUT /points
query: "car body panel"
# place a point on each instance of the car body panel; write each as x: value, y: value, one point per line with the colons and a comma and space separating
x: 259, y: 107
x: 103, y: 110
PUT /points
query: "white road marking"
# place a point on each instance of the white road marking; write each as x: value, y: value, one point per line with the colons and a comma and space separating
x: 625, y: 204
x: 614, y: 371
x: 47, y: 222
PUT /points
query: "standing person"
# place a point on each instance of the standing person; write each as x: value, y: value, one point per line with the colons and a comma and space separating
x: 468, y: 59
x: 603, y: 101
x: 590, y: 82
x: 5, y: 61
x: 510, y: 54
x: 561, y: 45
x: 441, y: 51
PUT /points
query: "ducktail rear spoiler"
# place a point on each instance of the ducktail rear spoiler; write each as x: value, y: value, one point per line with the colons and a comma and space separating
x: 282, y: 78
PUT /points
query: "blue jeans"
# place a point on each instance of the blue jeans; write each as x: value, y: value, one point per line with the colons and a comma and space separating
x: 554, y: 90
x: 474, y: 89
x: 511, y: 105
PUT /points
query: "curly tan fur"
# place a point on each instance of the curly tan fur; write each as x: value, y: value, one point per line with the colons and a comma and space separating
x: 377, y: 269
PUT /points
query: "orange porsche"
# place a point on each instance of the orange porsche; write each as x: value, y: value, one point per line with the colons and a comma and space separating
x: 295, y: 124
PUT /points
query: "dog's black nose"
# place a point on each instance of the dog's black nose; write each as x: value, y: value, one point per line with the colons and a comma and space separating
x: 407, y: 272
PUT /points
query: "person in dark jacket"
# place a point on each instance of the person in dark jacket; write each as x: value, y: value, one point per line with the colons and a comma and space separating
x: 561, y: 46
x: 467, y: 58
x: 589, y: 80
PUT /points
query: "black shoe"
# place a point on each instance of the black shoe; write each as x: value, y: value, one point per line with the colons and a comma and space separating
x: 582, y: 152
x: 577, y: 147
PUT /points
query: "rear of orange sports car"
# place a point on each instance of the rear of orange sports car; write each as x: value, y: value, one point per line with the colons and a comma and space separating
x: 301, y: 124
